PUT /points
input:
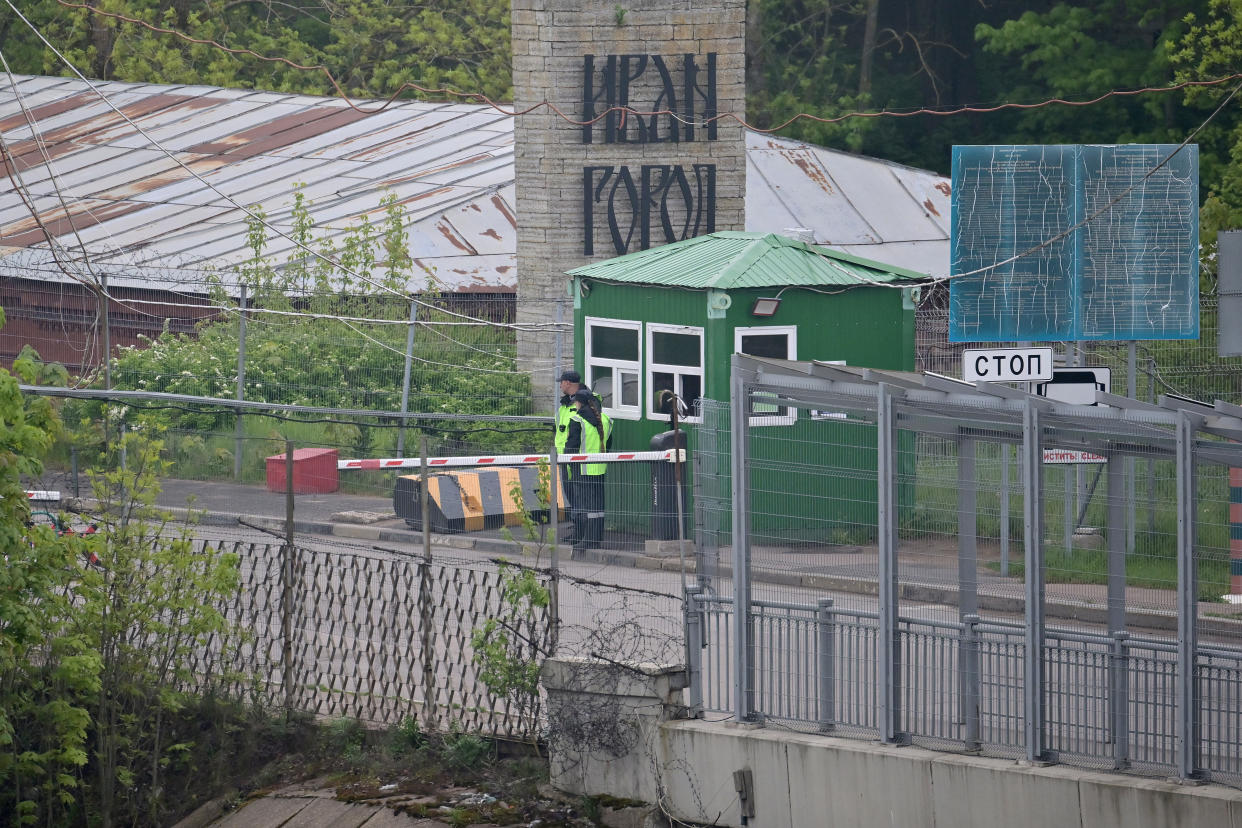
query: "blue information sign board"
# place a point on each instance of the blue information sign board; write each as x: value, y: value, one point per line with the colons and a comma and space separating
x: 1074, y: 242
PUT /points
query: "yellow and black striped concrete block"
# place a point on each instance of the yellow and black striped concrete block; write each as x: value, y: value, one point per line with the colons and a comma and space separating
x: 467, y: 501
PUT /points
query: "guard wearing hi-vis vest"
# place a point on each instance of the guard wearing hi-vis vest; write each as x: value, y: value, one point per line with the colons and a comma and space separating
x: 571, y: 383
x: 586, y: 436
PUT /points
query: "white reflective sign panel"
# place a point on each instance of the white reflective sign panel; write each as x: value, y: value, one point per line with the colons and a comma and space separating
x: 1076, y: 385
x: 1007, y: 364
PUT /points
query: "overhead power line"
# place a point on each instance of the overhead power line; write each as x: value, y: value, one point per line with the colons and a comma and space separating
x: 249, y: 406
x: 229, y: 199
x: 625, y: 111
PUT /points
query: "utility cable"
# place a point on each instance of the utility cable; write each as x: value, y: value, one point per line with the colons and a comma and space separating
x: 1067, y: 231
x: 249, y: 213
x: 625, y: 111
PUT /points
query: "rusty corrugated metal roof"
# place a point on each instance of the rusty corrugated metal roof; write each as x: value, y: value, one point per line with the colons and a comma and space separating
x: 146, y: 221
x: 864, y: 206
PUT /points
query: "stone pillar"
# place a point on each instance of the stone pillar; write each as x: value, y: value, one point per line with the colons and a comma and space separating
x: 627, y: 182
x: 603, y: 724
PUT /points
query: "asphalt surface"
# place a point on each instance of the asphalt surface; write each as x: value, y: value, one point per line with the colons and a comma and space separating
x: 928, y: 569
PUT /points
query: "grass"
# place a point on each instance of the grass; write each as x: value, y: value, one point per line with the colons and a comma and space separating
x: 1090, y: 566
x: 1152, y: 563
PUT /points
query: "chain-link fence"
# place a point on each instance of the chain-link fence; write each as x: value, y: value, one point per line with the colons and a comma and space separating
x: 915, y: 561
x: 1141, y: 370
x: 427, y: 353
x: 356, y: 352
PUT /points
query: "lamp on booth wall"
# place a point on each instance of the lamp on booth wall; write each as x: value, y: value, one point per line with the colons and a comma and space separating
x: 765, y: 307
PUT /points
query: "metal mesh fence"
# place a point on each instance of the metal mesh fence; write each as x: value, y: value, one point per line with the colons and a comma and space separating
x: 432, y: 353
x: 1191, y: 368
x: 913, y: 573
x: 372, y: 636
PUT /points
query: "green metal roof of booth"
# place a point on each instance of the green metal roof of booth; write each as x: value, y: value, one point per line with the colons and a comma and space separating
x: 731, y: 259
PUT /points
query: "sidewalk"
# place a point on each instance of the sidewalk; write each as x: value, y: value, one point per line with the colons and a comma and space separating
x: 925, y: 578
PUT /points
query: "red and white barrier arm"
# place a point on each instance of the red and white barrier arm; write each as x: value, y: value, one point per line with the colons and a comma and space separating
x: 668, y: 455
x: 43, y: 496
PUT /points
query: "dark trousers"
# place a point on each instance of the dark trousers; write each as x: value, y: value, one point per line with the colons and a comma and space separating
x: 588, y: 510
x: 571, y: 500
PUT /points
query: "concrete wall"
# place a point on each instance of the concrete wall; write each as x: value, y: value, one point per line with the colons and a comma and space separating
x: 799, y: 779
x: 550, y: 41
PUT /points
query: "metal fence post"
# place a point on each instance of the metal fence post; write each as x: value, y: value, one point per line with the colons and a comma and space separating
x: 825, y: 653
x: 104, y: 303
x: 558, y: 348
x: 1151, y: 462
x: 1116, y: 544
x: 694, y: 646
x: 1118, y: 662
x: 743, y: 639
x: 241, y: 383
x: 1131, y: 483
x: 1187, y: 604
x: 426, y: 611
x: 888, y: 659
x: 1119, y: 698
x: 73, y: 465
x: 970, y: 680
x: 405, y: 377
x: 1033, y: 540
x: 702, y: 575
x: 286, y: 584
x: 426, y: 643
x: 554, y: 523
x: 1004, y: 511
x: 967, y: 526
x: 1069, y: 476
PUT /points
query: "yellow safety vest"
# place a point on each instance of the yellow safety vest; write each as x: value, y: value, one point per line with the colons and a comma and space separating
x: 563, y: 415
x: 591, y: 444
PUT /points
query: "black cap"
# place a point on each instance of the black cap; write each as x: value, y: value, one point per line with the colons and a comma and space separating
x: 582, y: 395
x: 570, y: 376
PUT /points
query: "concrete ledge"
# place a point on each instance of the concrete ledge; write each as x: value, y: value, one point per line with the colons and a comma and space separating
x: 864, y: 784
x: 352, y: 530
x: 361, y: 517
x: 605, y: 723
x: 666, y: 548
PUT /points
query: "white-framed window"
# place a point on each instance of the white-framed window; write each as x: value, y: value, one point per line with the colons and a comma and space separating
x: 776, y: 342
x: 674, y: 363
x: 614, y: 360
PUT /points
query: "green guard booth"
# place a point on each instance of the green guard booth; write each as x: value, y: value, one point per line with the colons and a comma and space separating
x: 670, y: 317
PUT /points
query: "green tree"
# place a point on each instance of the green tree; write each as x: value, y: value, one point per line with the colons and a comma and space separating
x: 150, y: 611
x: 329, y: 362
x: 1078, y: 51
x: 101, y: 664
x: 510, y: 647
x: 1212, y: 47
x: 47, y: 670
x: 371, y: 47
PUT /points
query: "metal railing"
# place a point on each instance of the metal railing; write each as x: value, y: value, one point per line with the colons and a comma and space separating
x: 873, y: 568
x: 1108, y: 697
